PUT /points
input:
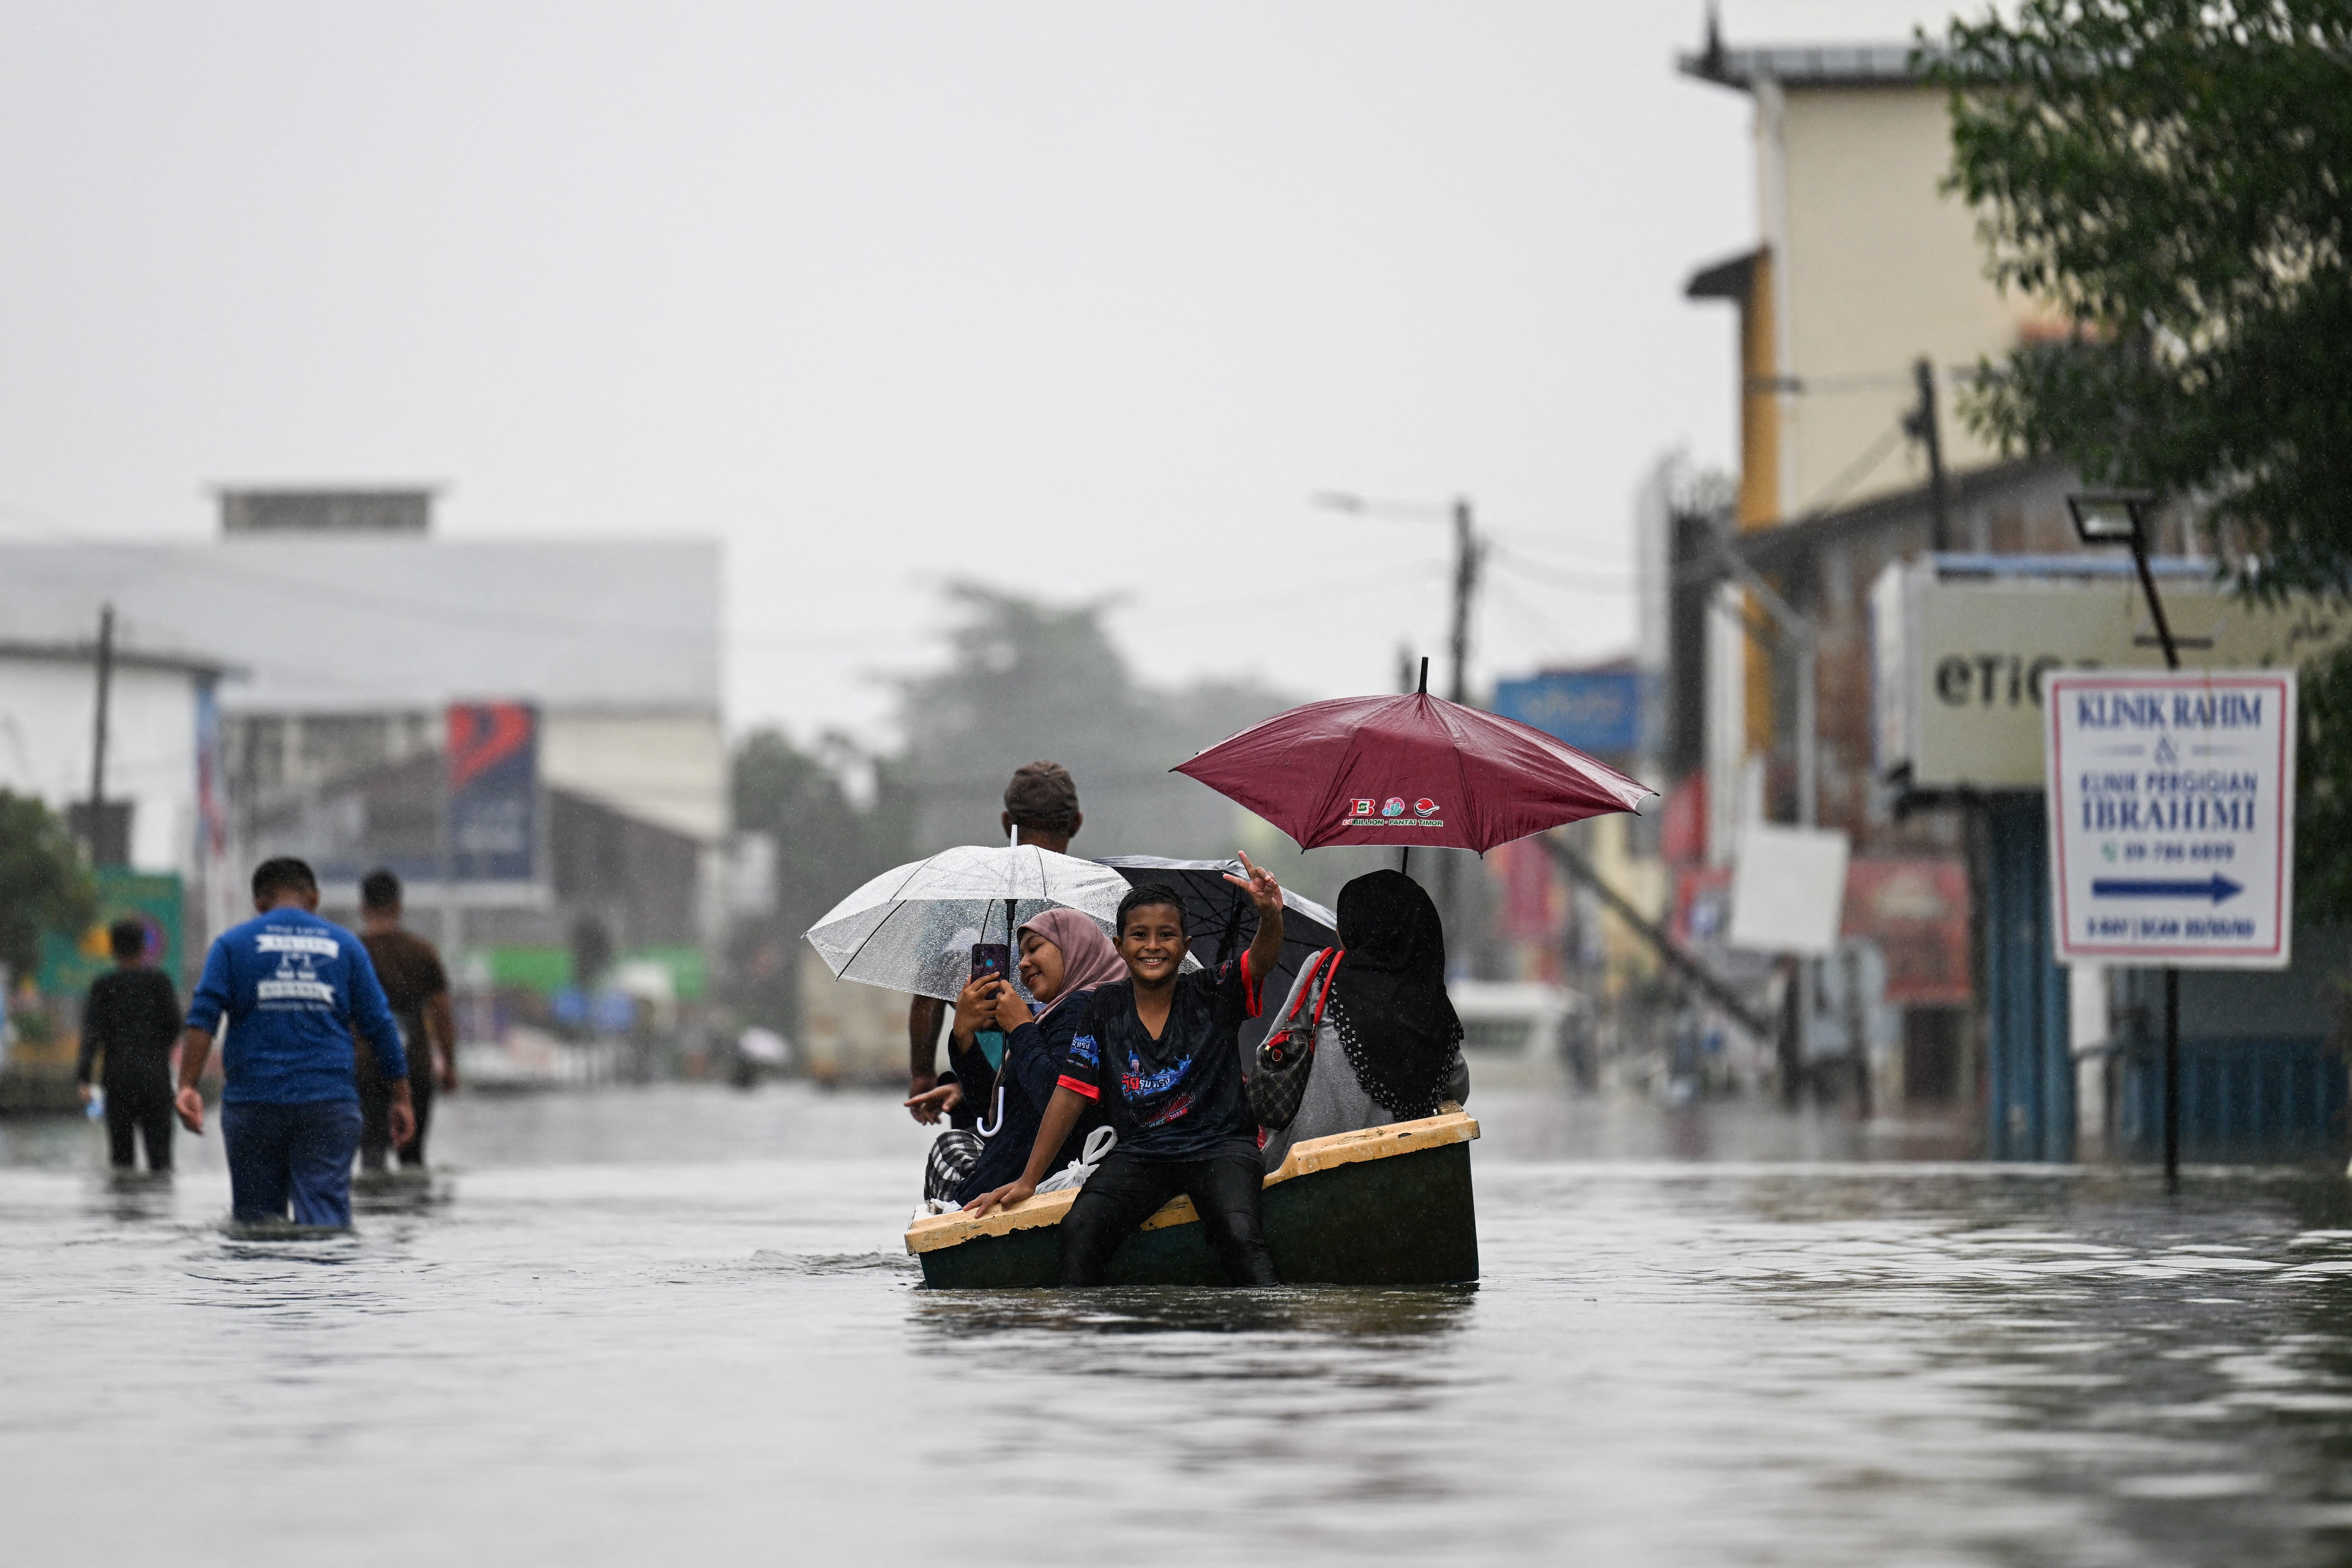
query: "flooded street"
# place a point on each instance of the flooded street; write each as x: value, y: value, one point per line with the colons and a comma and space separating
x: 676, y: 1325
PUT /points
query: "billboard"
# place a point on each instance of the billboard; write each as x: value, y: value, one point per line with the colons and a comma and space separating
x: 492, y: 758
x: 1597, y: 710
x: 1961, y: 663
x: 1917, y: 912
x: 69, y: 962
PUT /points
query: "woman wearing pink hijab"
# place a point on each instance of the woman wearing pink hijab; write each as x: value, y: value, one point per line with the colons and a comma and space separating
x: 1064, y: 956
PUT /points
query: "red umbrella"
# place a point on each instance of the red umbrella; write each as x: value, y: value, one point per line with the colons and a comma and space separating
x: 1414, y: 770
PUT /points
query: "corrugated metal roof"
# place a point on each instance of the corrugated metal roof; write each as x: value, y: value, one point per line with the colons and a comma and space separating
x: 364, y: 625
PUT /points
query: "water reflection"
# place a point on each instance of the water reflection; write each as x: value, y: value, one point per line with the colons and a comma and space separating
x: 1362, y: 1316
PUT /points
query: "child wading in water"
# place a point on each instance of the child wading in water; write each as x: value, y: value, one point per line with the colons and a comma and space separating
x: 1161, y: 1051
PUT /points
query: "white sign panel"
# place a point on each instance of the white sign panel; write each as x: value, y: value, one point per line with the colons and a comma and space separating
x: 2172, y: 817
x: 1788, y: 890
x: 1960, y: 662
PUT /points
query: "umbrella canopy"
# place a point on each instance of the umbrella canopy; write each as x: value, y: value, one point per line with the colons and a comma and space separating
x: 1220, y: 921
x: 911, y: 929
x: 1414, y: 770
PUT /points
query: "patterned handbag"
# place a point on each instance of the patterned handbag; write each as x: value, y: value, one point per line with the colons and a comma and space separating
x: 1287, y: 1056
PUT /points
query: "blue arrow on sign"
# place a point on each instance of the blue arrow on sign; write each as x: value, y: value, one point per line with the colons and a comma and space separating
x: 2217, y: 887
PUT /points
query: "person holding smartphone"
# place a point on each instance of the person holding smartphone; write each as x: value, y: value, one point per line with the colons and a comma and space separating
x: 1040, y: 807
x: 1064, y: 956
x: 1161, y: 1053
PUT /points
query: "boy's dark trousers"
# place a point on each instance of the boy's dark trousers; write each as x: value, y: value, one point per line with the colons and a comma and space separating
x: 140, y: 1109
x: 1126, y: 1191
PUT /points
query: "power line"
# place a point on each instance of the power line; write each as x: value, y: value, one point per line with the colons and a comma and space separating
x: 1571, y: 578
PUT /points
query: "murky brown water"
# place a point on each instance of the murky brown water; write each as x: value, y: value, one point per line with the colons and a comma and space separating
x: 675, y: 1326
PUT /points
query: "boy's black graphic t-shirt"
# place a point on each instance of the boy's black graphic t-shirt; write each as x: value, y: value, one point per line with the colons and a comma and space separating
x: 1178, y: 1097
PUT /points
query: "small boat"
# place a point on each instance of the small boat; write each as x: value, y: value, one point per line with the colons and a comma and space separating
x: 1381, y: 1206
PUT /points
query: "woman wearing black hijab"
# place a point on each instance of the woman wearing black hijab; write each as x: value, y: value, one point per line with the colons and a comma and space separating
x: 1390, y: 1047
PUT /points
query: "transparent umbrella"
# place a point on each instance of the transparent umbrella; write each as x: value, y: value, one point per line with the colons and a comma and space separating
x: 911, y: 929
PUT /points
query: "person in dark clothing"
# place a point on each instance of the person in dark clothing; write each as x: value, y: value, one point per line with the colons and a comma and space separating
x: 1389, y: 1047
x: 133, y: 1020
x: 1040, y: 807
x: 418, y: 987
x: 1161, y: 1051
x: 1064, y: 956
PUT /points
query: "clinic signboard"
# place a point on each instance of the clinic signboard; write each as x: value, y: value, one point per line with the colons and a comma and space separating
x: 1961, y: 659
x: 2171, y: 802
x: 492, y: 762
x: 1595, y: 710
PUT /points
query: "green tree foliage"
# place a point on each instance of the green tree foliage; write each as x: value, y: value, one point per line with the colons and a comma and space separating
x: 826, y: 843
x: 2174, y: 178
x: 44, y: 884
x: 1022, y: 680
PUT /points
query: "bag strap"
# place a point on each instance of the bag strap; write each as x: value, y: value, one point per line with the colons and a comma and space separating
x: 1306, y: 991
x: 1324, y: 999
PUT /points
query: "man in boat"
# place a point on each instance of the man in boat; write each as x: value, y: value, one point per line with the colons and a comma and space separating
x: 1162, y: 1050
x: 1040, y: 807
x: 300, y: 997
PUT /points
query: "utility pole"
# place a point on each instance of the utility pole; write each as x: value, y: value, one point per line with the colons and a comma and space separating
x: 1803, y: 633
x: 1923, y: 426
x: 1467, y: 553
x: 97, y: 833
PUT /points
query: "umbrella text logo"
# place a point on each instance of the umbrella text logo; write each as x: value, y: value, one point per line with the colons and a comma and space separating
x: 1392, y: 806
x: 1363, y: 808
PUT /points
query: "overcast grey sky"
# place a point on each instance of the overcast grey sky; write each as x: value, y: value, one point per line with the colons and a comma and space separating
x: 1078, y: 298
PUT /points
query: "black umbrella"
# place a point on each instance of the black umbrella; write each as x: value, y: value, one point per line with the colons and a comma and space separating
x: 1220, y: 923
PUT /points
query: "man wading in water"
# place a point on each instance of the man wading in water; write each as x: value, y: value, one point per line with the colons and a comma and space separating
x: 297, y: 991
x: 1162, y: 1050
x: 417, y: 988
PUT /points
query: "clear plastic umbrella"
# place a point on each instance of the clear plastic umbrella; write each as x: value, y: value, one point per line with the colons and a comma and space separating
x: 912, y: 929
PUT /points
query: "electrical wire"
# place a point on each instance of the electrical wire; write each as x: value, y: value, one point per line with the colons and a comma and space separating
x: 1571, y: 578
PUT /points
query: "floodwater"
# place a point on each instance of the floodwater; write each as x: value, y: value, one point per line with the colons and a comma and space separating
x: 676, y: 1326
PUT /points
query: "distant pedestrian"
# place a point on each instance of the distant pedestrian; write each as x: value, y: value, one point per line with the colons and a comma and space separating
x: 417, y: 988
x: 131, y: 1020
x: 1040, y: 807
x: 300, y: 999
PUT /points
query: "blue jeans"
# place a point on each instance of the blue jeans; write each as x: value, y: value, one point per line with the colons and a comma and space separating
x: 297, y: 1152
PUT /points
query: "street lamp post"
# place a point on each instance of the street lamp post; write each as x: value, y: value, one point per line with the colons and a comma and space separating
x: 1469, y: 554
x: 2120, y: 517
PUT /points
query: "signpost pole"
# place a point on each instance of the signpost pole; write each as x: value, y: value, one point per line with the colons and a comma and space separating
x: 2171, y: 973
x: 2172, y: 1078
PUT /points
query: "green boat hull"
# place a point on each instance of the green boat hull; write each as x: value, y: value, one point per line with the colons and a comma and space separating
x: 1404, y: 1220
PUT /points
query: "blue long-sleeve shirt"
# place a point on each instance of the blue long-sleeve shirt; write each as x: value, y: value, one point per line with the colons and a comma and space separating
x: 294, y: 987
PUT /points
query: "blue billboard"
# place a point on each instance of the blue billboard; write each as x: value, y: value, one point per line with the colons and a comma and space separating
x: 1594, y: 711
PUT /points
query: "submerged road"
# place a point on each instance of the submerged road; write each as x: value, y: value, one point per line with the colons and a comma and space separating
x: 673, y: 1325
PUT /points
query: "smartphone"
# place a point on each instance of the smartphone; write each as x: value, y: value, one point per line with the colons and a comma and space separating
x: 991, y: 958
